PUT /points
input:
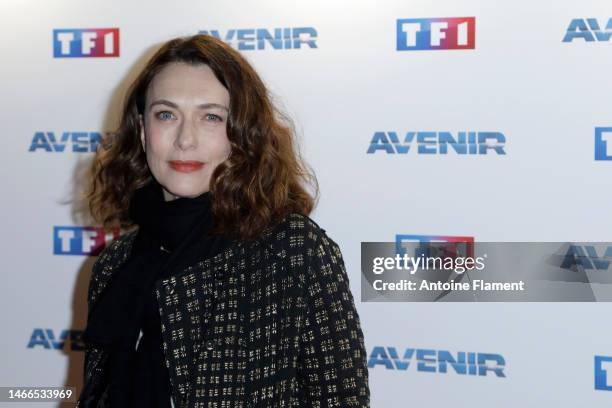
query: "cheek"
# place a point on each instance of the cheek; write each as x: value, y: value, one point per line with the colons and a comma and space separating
x: 156, y: 146
x: 222, y: 147
x: 227, y: 147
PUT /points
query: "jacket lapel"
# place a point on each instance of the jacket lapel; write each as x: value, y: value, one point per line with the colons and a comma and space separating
x: 188, y: 302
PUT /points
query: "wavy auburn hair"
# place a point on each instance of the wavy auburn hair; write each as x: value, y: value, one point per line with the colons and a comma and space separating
x: 263, y: 180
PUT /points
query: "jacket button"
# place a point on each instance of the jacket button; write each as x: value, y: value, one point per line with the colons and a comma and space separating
x: 210, y: 345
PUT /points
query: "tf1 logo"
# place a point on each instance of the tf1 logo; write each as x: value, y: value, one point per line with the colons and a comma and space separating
x: 455, y: 33
x: 82, y: 240
x: 603, y: 143
x: 603, y: 366
x: 456, y: 245
x: 85, y: 42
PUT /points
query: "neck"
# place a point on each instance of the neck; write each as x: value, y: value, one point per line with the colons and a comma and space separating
x: 171, y: 197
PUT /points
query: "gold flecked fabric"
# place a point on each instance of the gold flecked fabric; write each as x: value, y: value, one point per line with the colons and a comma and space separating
x: 271, y: 323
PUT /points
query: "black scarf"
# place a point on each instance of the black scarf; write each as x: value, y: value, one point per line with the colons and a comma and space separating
x: 171, y: 236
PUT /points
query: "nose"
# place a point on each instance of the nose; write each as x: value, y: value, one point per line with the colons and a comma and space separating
x: 187, y: 137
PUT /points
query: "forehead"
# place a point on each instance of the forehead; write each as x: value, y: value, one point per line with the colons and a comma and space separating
x: 184, y: 83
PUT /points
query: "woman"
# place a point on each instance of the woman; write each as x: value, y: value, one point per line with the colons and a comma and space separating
x: 227, y: 294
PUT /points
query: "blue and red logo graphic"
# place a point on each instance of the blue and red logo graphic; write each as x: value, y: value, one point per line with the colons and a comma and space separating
x: 603, y: 365
x: 603, y: 143
x: 461, y: 246
x: 85, y: 42
x: 82, y: 240
x: 455, y: 33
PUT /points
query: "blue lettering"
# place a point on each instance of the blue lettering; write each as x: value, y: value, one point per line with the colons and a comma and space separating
x: 95, y: 138
x: 264, y: 35
x: 473, y: 143
x: 39, y: 141
x: 424, y: 357
x: 599, y: 263
x: 459, y: 146
x: 46, y: 339
x: 483, y: 144
x: 401, y: 364
x: 445, y: 357
x: 581, y: 29
x: 482, y: 364
x: 574, y: 258
x: 82, y: 142
x: 379, y: 356
x: 601, y: 36
x: 310, y: 39
x: 38, y: 338
x: 427, y: 142
x: 256, y: 38
x: 79, y: 144
x: 215, y: 33
x: 380, y: 142
x: 586, y: 258
x: 465, y: 363
x: 578, y: 29
x: 244, y: 39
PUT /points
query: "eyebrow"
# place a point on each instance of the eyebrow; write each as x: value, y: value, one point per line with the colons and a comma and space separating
x: 200, y: 106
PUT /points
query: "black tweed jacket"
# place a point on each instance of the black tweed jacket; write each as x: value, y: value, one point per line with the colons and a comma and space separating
x: 271, y: 323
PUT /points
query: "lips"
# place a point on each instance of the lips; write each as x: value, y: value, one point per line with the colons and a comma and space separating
x: 186, y: 166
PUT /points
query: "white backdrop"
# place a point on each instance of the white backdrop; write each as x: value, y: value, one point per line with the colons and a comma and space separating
x: 544, y: 95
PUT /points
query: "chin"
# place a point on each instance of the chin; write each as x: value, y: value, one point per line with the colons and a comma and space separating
x: 185, y: 191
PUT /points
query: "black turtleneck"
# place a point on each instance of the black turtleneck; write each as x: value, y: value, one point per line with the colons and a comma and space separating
x: 171, y: 236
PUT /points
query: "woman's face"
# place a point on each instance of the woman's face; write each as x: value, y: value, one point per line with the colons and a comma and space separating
x: 184, y: 132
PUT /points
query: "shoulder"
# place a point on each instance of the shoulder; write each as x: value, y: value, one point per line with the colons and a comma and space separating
x: 299, y: 238
x: 297, y: 229
x: 117, y: 249
x: 111, y: 256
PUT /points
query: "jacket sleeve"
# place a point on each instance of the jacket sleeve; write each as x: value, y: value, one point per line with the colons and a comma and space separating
x: 332, y: 366
x: 91, y: 351
x: 93, y: 355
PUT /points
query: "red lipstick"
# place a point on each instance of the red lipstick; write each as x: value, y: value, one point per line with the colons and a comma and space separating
x: 186, y: 166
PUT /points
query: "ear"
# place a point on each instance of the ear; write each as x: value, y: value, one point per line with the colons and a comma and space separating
x: 142, y: 133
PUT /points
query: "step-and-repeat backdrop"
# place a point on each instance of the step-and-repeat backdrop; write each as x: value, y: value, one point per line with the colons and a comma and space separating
x: 430, y: 119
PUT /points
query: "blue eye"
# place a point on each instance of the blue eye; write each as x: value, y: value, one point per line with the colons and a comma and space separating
x: 164, y: 115
x: 212, y: 116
